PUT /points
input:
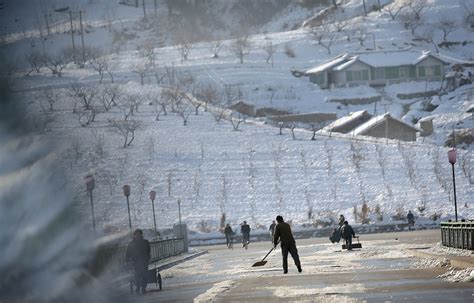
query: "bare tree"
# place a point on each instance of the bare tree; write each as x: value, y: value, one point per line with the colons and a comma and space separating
x: 142, y: 70
x: 175, y: 96
x: 447, y: 26
x: 185, y: 48
x: 315, y: 126
x: 84, y: 116
x: 215, y: 47
x: 270, y: 50
x: 108, y: 95
x: 236, y: 119
x: 85, y: 94
x: 360, y: 33
x: 186, y: 81
x: 126, y: 129
x: 184, y: 110
x: 323, y: 35
x: 51, y: 96
x: 241, y: 47
x: 56, y: 63
x: 208, y: 94
x: 101, y: 65
x: 428, y: 36
x: 393, y: 10
x: 412, y: 17
x: 218, y: 112
x: 195, y: 103
x: 171, y: 74
x: 36, y: 61
x: 163, y: 100
x: 340, y: 24
x: 129, y: 104
x: 159, y: 75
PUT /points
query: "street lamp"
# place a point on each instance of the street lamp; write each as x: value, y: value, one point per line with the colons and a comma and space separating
x: 152, y: 198
x: 126, y: 192
x: 90, y: 186
x: 452, y: 160
x: 179, y: 216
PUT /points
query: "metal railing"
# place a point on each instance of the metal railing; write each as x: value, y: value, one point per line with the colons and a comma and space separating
x: 458, y: 234
x: 112, y: 256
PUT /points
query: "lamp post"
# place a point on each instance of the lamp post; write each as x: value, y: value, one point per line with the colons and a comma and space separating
x: 179, y: 216
x: 452, y: 160
x: 126, y: 192
x: 152, y: 198
x: 90, y: 186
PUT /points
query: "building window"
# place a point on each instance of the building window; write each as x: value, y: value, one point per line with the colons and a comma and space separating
x: 357, y: 75
x: 365, y: 74
x: 412, y: 72
x: 348, y: 75
x: 392, y: 73
x: 379, y: 73
x: 437, y: 70
x: 403, y: 72
x: 421, y: 71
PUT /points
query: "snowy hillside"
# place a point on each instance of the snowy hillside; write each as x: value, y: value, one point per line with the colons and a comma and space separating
x: 246, y: 171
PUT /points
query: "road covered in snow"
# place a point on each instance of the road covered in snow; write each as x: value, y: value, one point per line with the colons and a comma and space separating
x: 385, y: 269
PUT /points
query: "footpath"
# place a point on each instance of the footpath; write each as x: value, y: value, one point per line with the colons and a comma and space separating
x: 461, y: 262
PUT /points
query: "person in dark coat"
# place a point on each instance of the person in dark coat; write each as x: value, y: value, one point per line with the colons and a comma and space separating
x: 341, y: 220
x: 229, y: 234
x: 288, y: 245
x: 411, y: 220
x: 245, y: 230
x: 138, y: 253
x: 347, y: 234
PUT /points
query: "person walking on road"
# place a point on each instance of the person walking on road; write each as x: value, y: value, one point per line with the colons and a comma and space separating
x: 245, y: 230
x: 138, y: 253
x: 347, y: 234
x: 229, y: 235
x: 341, y: 221
x: 411, y: 220
x: 288, y: 244
x: 272, y: 230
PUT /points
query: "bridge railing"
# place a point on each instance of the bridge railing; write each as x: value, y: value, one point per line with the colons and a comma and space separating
x: 111, y: 256
x: 458, y: 234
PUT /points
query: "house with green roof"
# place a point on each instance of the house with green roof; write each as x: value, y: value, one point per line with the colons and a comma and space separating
x: 378, y: 68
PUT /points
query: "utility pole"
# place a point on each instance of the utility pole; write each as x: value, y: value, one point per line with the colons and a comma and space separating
x: 82, y: 38
x: 72, y: 37
x: 144, y: 9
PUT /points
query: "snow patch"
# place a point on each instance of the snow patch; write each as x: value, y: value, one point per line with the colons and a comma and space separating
x: 214, y: 291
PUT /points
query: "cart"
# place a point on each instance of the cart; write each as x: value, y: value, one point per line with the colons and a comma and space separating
x: 153, y: 276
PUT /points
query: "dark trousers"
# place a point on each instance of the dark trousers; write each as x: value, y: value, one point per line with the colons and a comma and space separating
x: 229, y: 239
x: 349, y: 243
x: 141, y: 270
x: 290, y: 248
x: 245, y: 237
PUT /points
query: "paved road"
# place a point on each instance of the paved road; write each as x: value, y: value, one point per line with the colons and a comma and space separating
x: 382, y: 271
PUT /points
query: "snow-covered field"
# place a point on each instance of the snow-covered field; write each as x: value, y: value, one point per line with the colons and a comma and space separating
x: 253, y: 173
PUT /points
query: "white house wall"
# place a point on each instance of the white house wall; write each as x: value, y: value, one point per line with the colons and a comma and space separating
x: 428, y: 62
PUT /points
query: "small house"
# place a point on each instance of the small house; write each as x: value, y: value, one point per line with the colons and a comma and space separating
x: 347, y: 123
x: 378, y: 68
x: 426, y: 125
x: 309, y: 118
x: 386, y: 126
